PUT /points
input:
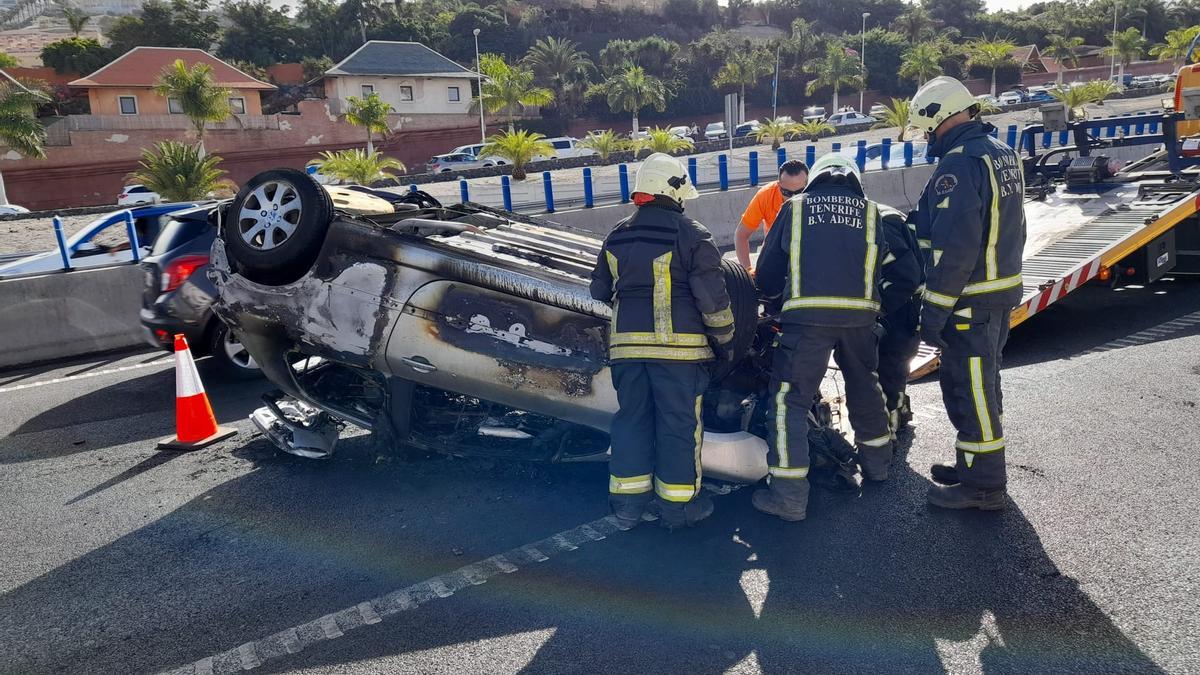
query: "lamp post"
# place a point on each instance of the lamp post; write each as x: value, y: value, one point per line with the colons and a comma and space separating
x: 1112, y: 61
x: 479, y: 74
x: 862, y: 55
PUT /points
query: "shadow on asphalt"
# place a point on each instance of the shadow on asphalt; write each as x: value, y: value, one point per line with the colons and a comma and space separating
x: 880, y: 583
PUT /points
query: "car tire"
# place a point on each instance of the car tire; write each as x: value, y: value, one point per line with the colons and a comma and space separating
x: 743, y: 302
x: 230, y: 357
x: 276, y: 226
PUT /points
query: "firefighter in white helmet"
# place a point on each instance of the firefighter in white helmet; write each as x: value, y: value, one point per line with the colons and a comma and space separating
x: 971, y: 226
x: 661, y: 274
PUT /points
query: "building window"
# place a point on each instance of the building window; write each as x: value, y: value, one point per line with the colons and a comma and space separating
x: 405, y: 93
x: 237, y: 105
x: 173, y: 106
x: 127, y: 104
x: 455, y: 97
x: 367, y: 90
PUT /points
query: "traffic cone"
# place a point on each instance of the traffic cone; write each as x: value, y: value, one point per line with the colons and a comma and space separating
x: 195, y: 424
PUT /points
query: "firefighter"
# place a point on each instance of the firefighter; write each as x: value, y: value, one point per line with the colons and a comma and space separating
x: 900, y: 292
x: 821, y: 263
x: 971, y: 218
x: 764, y: 207
x: 661, y: 273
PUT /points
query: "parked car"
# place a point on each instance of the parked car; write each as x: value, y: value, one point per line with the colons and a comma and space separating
x: 455, y: 161
x: 878, y: 110
x: 1011, y: 97
x: 565, y: 147
x: 746, y: 128
x: 813, y: 113
x: 1123, y: 80
x: 1143, y: 82
x: 715, y: 131
x: 849, y: 118
x: 12, y: 210
x: 1162, y: 79
x: 684, y: 132
x: 100, y: 243
x: 133, y: 195
x: 988, y: 98
x: 475, y: 151
x: 1039, y: 96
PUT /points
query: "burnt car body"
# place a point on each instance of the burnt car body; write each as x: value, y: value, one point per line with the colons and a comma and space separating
x: 458, y: 328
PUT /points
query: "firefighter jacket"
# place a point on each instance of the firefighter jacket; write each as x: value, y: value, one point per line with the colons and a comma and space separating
x: 971, y: 225
x: 821, y: 259
x: 661, y: 273
x: 903, y: 273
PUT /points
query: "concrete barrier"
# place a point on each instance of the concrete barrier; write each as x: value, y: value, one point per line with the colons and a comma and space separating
x: 56, y: 316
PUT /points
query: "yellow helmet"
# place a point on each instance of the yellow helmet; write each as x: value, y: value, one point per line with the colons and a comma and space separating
x: 937, y: 100
x: 662, y: 174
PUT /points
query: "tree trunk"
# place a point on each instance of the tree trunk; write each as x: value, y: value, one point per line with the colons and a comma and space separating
x: 1060, y: 74
x: 634, y: 135
x: 370, y: 143
x: 835, y: 101
x: 993, y: 82
x: 1121, y: 74
x: 518, y: 172
x: 742, y: 105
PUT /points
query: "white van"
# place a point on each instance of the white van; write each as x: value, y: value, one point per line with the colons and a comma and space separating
x: 566, y: 146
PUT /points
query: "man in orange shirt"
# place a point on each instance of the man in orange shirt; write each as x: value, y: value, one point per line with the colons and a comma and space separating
x: 765, y: 206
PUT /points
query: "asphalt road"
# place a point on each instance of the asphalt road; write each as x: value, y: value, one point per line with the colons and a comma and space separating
x: 117, y: 558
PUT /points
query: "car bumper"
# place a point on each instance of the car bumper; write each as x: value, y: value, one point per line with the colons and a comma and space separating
x: 160, y: 332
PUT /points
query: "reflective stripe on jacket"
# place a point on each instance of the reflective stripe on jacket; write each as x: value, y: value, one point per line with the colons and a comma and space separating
x: 822, y: 258
x: 661, y: 273
x: 971, y: 222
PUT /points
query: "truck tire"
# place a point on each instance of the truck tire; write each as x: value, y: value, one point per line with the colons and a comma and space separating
x: 743, y: 302
x: 276, y: 226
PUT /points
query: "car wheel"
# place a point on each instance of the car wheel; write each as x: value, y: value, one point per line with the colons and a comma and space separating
x: 743, y: 302
x: 230, y: 356
x: 276, y: 225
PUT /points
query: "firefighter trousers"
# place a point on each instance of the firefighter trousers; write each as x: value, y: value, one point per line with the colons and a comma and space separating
x: 657, y: 431
x: 897, y: 348
x: 800, y: 361
x: 970, y: 378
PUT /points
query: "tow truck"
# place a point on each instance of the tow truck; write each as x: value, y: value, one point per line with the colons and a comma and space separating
x: 1089, y: 221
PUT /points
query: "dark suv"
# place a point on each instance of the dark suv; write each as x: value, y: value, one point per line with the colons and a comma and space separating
x: 178, y: 296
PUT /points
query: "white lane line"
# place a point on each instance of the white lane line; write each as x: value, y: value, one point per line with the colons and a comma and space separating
x: 251, y: 655
x: 84, y: 376
x: 1149, y: 335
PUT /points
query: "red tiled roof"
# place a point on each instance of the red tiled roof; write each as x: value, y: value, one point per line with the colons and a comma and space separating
x: 141, y: 66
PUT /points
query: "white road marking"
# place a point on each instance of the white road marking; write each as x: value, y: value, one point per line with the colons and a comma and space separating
x: 83, y: 376
x: 1149, y: 335
x: 251, y: 655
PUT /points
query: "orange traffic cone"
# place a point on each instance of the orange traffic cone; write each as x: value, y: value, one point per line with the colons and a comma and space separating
x: 195, y: 424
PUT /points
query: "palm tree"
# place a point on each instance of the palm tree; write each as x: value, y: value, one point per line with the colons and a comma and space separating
x: 836, y: 69
x: 519, y: 148
x: 1077, y: 97
x: 897, y: 115
x: 659, y: 139
x: 199, y: 97
x: 921, y: 62
x: 356, y: 166
x: 1064, y: 50
x: 632, y: 89
x: 605, y: 144
x: 916, y: 23
x: 76, y: 20
x: 180, y: 172
x: 1176, y: 46
x: 814, y: 129
x: 990, y: 54
x: 743, y: 67
x: 19, y: 126
x: 509, y: 88
x: 372, y: 113
x: 1126, y: 46
x: 777, y: 130
x: 561, y: 66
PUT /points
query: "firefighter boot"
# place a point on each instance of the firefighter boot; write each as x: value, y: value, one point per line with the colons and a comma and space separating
x: 784, y: 498
x: 630, y: 510
x: 674, y: 515
x: 966, y: 497
x: 946, y: 474
x: 874, y: 462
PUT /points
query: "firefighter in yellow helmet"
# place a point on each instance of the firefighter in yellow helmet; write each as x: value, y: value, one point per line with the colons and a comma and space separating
x: 661, y: 274
x: 971, y: 225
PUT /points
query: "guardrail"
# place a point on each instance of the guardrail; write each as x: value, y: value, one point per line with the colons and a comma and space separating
x: 67, y: 249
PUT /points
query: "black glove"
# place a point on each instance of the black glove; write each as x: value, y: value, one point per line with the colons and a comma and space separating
x: 933, y: 322
x: 722, y: 350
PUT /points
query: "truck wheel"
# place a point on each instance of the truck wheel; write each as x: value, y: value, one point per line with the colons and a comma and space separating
x: 743, y: 302
x: 276, y: 225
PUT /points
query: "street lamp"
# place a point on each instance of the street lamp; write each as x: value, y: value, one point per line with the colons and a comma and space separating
x: 862, y: 54
x: 479, y: 74
x: 1112, y: 61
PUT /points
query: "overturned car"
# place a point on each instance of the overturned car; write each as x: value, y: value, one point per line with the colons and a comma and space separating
x: 459, y: 329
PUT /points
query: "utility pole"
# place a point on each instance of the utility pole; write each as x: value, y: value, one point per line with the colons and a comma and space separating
x: 863, y: 62
x: 479, y: 74
x: 1112, y: 59
x: 775, y: 85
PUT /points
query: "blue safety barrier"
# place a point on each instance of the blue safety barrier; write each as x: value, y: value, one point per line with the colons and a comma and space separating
x: 588, y: 199
x: 62, y: 242
x: 780, y: 156
x: 886, y: 156
x: 548, y: 186
x: 1063, y: 138
x: 412, y: 188
x: 506, y: 192
x: 130, y: 230
x: 1012, y: 136
x: 1110, y: 131
x: 860, y: 155
x: 723, y: 171
x: 1125, y: 128
x: 810, y: 155
x: 908, y: 153
x: 753, y: 168
x: 463, y: 191
x: 623, y: 178
x: 1141, y: 126
x: 1047, y: 137
x: 1154, y: 126
x: 693, y: 171
x: 837, y: 147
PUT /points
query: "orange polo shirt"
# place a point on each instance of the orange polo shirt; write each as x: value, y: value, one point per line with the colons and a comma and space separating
x: 764, y: 207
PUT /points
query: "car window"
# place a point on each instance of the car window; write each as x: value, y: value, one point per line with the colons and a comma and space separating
x: 137, y: 189
x: 178, y: 232
x: 562, y: 145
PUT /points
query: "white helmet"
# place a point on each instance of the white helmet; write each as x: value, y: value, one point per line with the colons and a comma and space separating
x: 937, y: 100
x: 835, y: 168
x: 662, y: 174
